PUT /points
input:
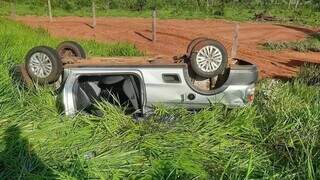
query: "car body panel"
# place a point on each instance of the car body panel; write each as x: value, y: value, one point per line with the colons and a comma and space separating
x: 155, y: 90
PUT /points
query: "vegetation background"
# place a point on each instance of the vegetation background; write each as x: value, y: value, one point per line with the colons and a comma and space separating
x: 305, y: 12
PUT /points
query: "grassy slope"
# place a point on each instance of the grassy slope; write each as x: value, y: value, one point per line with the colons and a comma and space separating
x: 310, y: 44
x: 277, y: 137
x: 234, y: 12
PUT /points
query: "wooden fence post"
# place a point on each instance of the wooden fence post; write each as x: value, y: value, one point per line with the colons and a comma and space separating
x: 297, y: 4
x: 50, y: 10
x: 94, y: 21
x: 13, y: 9
x: 154, y: 26
x: 235, y: 42
x: 107, y: 5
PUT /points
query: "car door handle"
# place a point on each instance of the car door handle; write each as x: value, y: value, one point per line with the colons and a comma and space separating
x: 171, y: 78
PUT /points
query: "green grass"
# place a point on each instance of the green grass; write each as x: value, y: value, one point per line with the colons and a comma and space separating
x: 275, y: 138
x: 310, y: 75
x: 231, y: 11
x: 310, y: 44
x: 17, y: 39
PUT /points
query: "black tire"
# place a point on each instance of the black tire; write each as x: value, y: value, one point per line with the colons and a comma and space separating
x: 221, y: 67
x: 20, y: 76
x: 193, y: 43
x: 71, y: 49
x: 52, y: 57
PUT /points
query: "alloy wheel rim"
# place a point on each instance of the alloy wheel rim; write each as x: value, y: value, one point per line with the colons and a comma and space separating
x: 209, y: 58
x: 40, y: 65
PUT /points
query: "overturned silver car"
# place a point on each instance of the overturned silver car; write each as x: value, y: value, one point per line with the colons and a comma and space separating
x: 145, y: 86
x: 202, y: 77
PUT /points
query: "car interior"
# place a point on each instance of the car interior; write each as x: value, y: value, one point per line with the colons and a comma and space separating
x: 120, y: 90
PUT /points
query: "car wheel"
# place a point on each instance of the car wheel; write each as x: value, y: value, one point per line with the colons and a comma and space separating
x: 43, y: 65
x: 193, y: 43
x: 71, y: 49
x: 208, y: 58
x: 57, y: 84
x: 20, y: 76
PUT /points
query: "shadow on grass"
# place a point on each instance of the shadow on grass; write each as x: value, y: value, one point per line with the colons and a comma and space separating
x: 19, y: 161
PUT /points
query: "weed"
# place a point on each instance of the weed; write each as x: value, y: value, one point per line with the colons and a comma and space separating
x: 312, y: 44
x: 310, y: 74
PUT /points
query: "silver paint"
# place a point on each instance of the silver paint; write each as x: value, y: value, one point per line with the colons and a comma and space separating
x: 40, y: 65
x: 209, y: 58
x: 155, y: 90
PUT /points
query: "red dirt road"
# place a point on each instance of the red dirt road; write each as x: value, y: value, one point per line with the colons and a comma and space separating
x: 174, y: 35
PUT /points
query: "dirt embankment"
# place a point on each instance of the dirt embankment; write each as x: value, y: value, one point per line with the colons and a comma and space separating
x: 174, y: 35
